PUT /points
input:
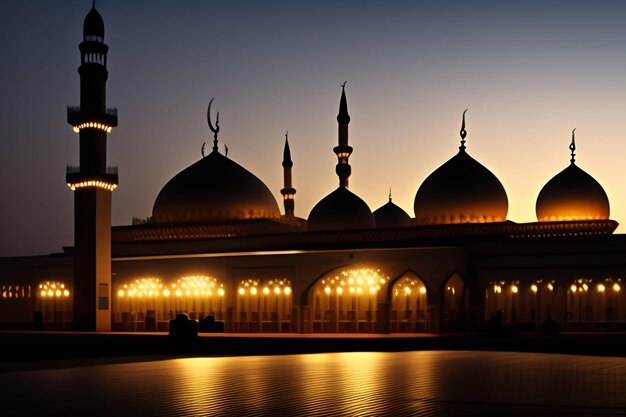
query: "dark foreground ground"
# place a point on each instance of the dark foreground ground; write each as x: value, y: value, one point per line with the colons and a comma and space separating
x: 54, y: 349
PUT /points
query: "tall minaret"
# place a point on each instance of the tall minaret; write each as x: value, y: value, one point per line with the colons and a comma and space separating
x: 289, y: 193
x: 92, y: 183
x: 343, y: 151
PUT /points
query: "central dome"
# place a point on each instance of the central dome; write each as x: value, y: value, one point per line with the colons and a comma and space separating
x: 461, y: 191
x: 341, y: 210
x: 214, y: 189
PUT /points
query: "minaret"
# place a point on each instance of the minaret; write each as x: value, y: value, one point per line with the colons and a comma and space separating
x: 343, y: 151
x: 288, y: 192
x: 92, y: 183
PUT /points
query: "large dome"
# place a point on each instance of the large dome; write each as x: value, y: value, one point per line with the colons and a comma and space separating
x: 214, y: 189
x: 390, y: 215
x: 461, y: 191
x: 572, y: 194
x: 341, y: 210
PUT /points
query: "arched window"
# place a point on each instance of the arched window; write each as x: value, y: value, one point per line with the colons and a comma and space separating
x: 409, y: 305
x: 347, y: 300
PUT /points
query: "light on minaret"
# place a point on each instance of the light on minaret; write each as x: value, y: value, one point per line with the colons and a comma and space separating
x: 288, y: 192
x: 92, y: 182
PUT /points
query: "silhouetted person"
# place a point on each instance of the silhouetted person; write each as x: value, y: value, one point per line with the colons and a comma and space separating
x: 183, y: 328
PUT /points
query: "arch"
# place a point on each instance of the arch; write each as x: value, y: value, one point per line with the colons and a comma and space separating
x: 345, y: 300
x: 263, y: 305
x: 409, y: 304
x: 54, y: 304
x: 149, y: 303
x: 595, y: 304
x: 454, y: 295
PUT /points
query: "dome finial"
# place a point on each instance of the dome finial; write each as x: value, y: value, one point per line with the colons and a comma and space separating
x: 463, y: 132
x: 389, y: 193
x: 215, y: 129
x: 572, y: 147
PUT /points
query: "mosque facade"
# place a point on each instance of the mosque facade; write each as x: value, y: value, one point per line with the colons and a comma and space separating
x: 217, y: 244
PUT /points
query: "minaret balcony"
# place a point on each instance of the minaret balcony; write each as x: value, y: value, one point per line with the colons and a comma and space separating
x: 91, y: 120
x: 107, y: 180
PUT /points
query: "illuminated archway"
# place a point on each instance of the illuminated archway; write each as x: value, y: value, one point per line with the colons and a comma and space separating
x: 264, y: 305
x: 54, y: 301
x: 409, y: 305
x: 454, y: 302
x: 147, y: 303
x: 346, y: 300
x: 520, y: 303
x: 595, y: 304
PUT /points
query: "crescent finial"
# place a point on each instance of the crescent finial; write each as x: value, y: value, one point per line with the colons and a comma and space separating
x: 572, y: 147
x: 343, y: 85
x: 215, y: 129
x: 463, y: 131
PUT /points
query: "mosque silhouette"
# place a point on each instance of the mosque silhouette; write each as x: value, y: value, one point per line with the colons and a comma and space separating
x: 217, y: 247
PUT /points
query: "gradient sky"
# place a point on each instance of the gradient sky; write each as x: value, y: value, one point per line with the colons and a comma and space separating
x: 529, y: 72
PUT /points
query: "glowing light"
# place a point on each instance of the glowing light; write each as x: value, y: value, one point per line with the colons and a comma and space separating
x: 266, y: 290
x: 407, y: 290
x: 601, y: 288
x: 220, y: 292
x: 573, y: 288
x: 253, y: 290
x: 534, y: 288
x: 120, y: 293
x: 339, y: 290
x: 585, y: 287
x: 327, y: 290
x: 514, y: 289
x: 276, y: 290
x: 242, y: 291
x: 372, y: 290
x: 43, y: 293
x: 616, y: 287
x: 166, y: 292
x: 423, y: 290
x: 550, y: 287
x: 287, y: 290
x: 92, y: 125
x: 92, y: 184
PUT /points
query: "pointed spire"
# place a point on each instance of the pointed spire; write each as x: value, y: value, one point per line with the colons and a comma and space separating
x: 215, y: 129
x: 389, y: 194
x: 287, y: 153
x: 343, y: 116
x: 572, y: 147
x: 288, y: 192
x: 463, y: 132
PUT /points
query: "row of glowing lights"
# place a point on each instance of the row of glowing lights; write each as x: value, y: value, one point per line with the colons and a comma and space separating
x: 250, y: 285
x: 92, y: 183
x: 573, y: 288
x: 54, y: 289
x: 92, y: 125
x: 197, y: 285
x: 351, y: 281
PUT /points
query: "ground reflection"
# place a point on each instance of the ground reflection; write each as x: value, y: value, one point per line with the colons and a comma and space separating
x: 368, y: 383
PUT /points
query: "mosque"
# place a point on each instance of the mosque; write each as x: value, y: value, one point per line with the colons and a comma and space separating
x: 218, y: 245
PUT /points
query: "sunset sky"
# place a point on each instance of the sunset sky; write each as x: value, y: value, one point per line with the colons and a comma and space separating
x: 529, y: 72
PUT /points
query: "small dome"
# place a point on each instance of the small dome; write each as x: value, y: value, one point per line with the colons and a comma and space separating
x: 214, y: 189
x: 341, y: 210
x: 461, y: 191
x: 390, y: 215
x: 572, y: 194
x: 93, y: 25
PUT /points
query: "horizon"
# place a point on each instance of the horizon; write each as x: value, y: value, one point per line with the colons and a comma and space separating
x: 529, y: 74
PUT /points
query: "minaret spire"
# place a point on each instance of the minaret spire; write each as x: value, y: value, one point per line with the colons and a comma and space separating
x: 215, y: 129
x: 389, y: 193
x: 343, y: 151
x: 463, y: 132
x: 288, y: 191
x: 572, y: 147
x: 92, y: 182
